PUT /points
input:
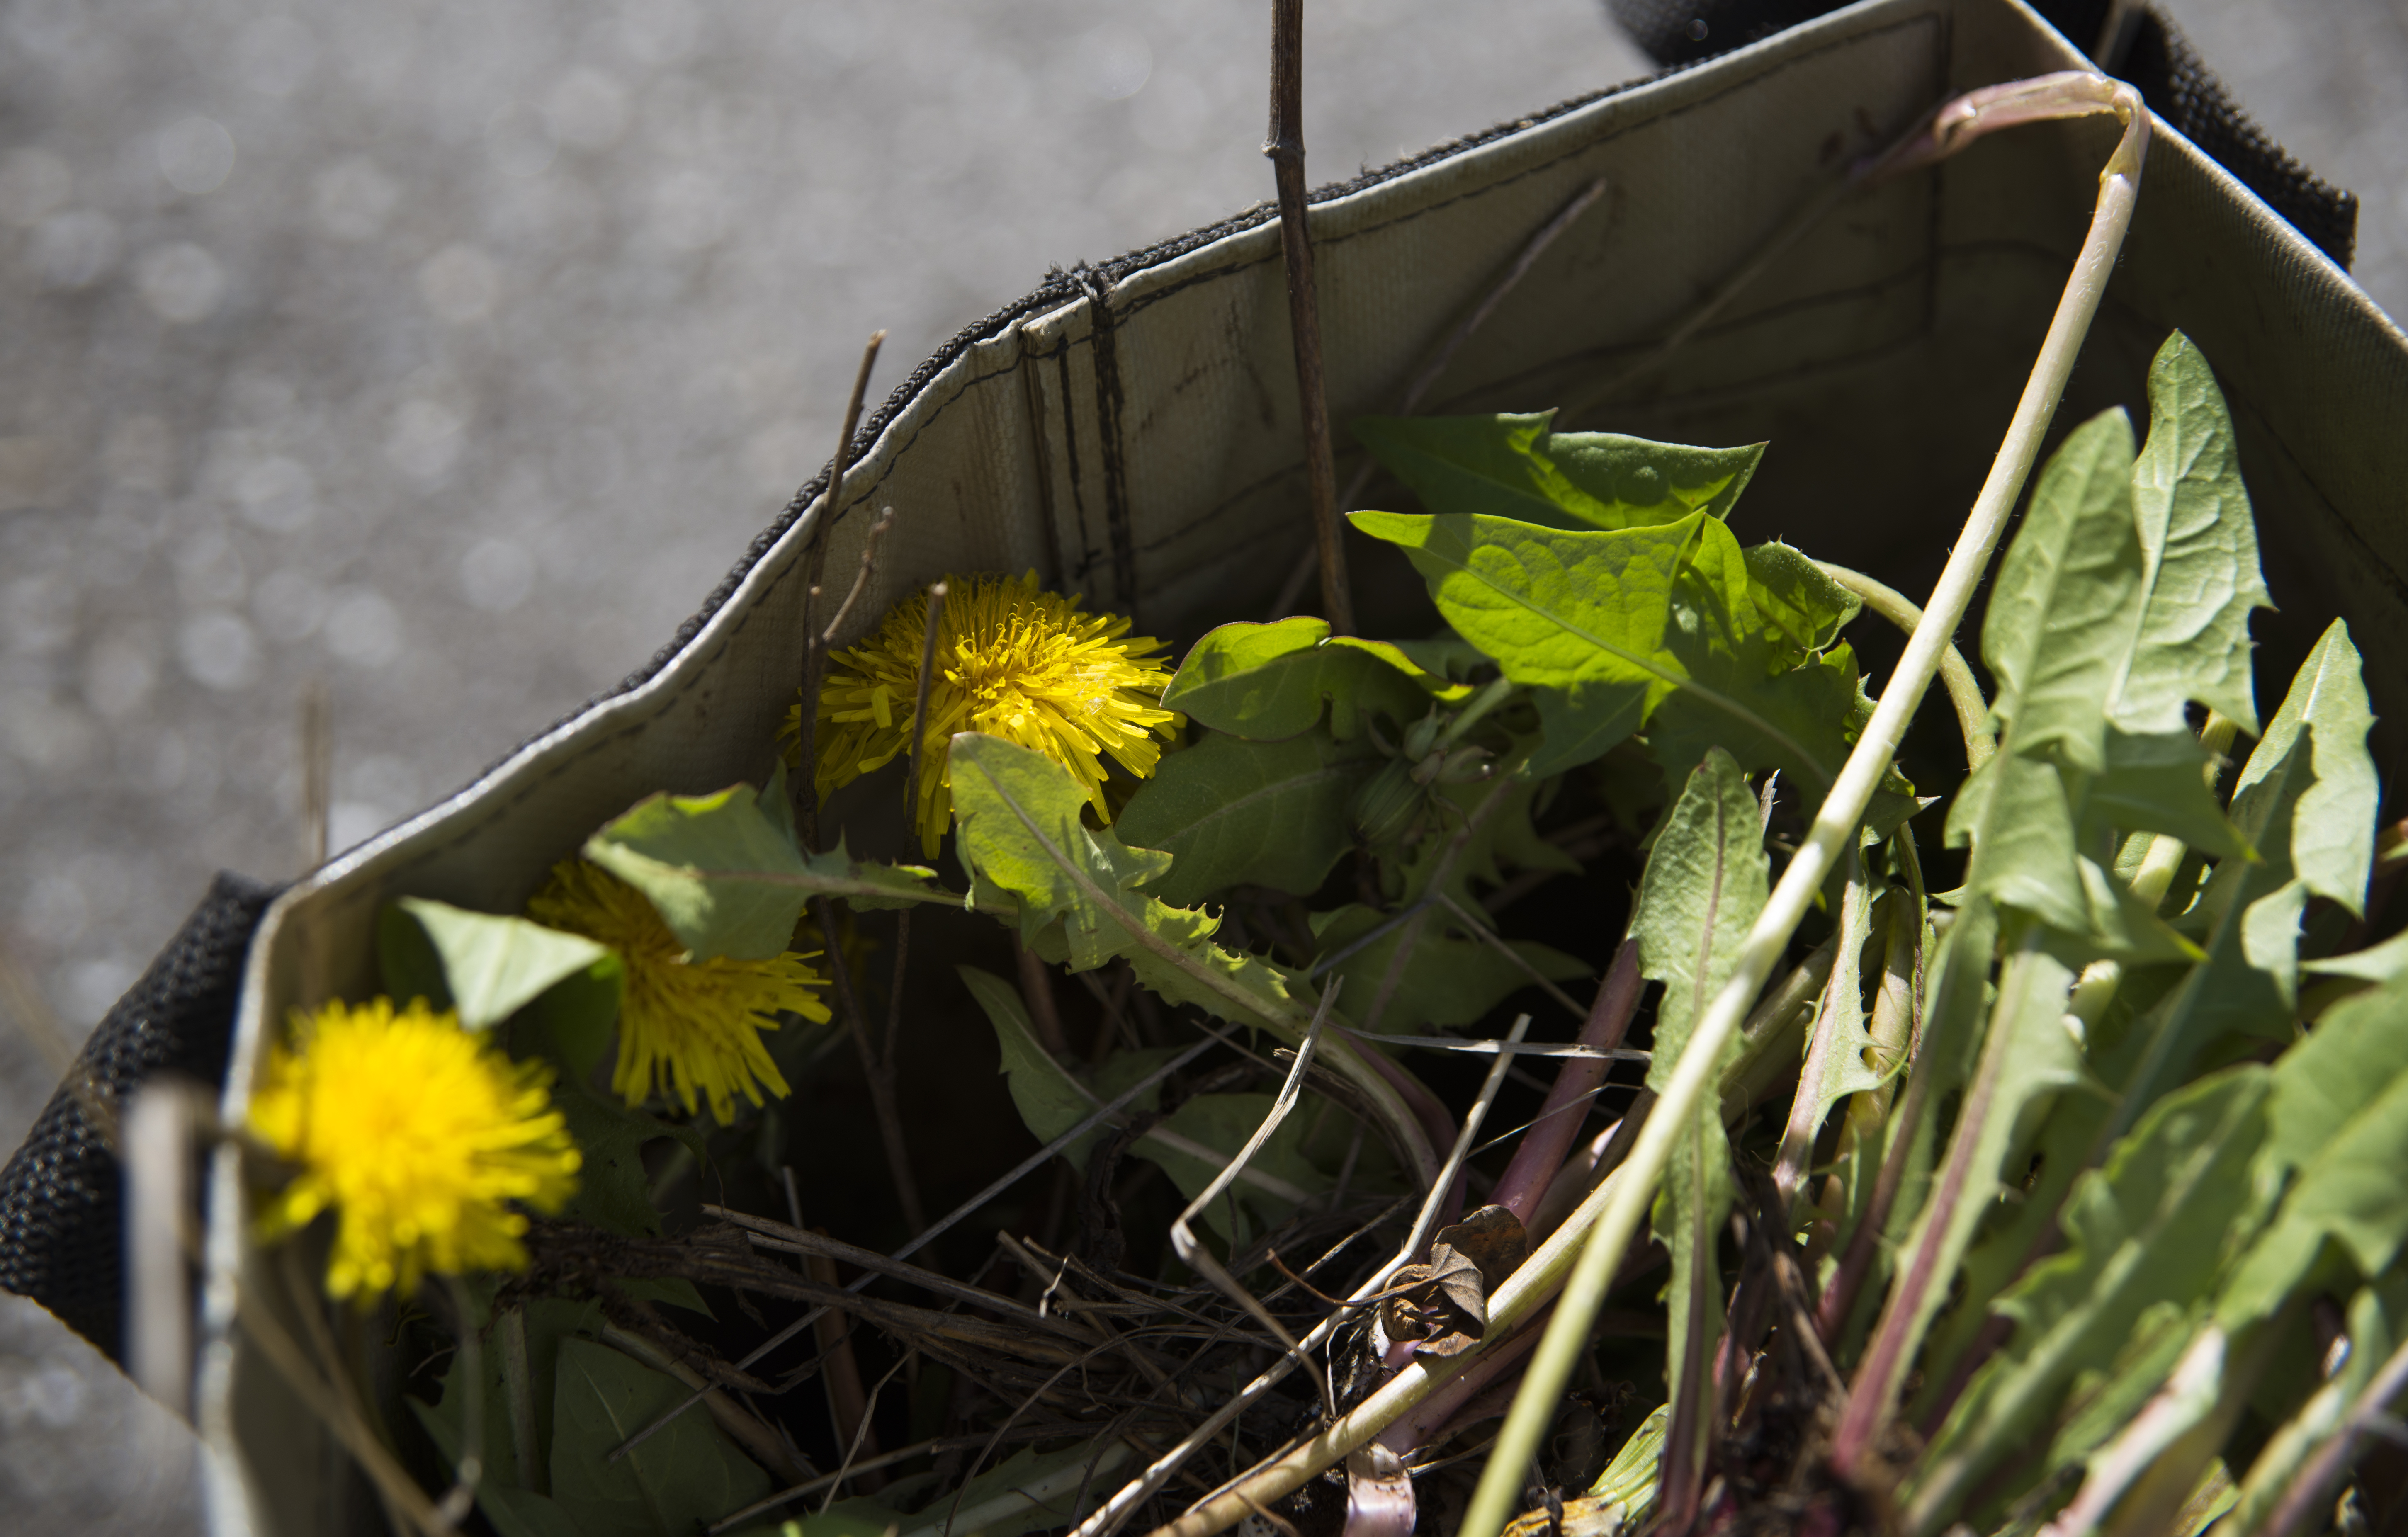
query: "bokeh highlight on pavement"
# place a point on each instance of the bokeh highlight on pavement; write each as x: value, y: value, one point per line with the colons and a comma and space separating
x: 448, y: 353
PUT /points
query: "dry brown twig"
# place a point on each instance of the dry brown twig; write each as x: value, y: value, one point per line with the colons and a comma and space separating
x: 861, y: 576
x: 806, y: 806
x: 930, y: 1235
x: 1284, y: 145
x: 1201, y: 1259
x: 317, y: 773
x: 848, y: 1405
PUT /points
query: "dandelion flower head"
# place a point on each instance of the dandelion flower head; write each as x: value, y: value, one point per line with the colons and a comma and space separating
x: 687, y: 1028
x: 1011, y: 660
x: 419, y: 1135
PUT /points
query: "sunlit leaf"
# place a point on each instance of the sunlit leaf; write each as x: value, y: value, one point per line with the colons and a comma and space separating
x: 1512, y: 466
x: 1275, y: 681
x: 2306, y: 803
x: 2307, y: 796
x: 2340, y: 1117
x: 724, y: 871
x: 1706, y: 881
x: 1856, y: 1063
x: 2027, y: 1057
x: 1798, y: 599
x: 1747, y: 687
x: 1580, y: 616
x: 2385, y: 962
x: 492, y: 966
x: 2200, y: 546
x: 2058, y: 630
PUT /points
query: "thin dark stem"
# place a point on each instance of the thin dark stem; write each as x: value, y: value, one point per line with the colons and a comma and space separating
x: 806, y: 804
x: 317, y: 771
x: 1036, y: 989
x: 860, y: 579
x: 881, y: 1063
x: 881, y: 1086
x: 920, y: 706
x: 1285, y: 147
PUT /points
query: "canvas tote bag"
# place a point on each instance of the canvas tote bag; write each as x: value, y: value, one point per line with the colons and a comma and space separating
x: 1129, y: 431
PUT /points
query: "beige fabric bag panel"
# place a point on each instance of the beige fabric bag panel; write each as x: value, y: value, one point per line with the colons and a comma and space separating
x: 1136, y: 443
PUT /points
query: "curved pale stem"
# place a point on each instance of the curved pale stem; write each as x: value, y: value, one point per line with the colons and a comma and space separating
x: 1956, y: 673
x: 1835, y: 823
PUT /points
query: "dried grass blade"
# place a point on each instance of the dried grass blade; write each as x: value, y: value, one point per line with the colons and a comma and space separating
x: 1010, y: 1177
x: 1183, y: 1237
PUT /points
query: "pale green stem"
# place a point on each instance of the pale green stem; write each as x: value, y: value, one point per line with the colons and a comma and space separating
x: 1834, y: 827
x: 1956, y: 673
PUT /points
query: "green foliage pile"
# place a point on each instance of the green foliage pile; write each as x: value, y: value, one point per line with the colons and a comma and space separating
x: 2090, y: 1167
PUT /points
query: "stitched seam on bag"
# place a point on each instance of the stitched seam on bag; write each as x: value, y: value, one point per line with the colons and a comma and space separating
x: 1087, y: 566
x: 1101, y: 327
x: 1032, y: 381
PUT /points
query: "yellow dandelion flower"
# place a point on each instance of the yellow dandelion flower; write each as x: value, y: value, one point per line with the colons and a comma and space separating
x: 688, y: 1026
x: 1012, y: 661
x: 418, y: 1134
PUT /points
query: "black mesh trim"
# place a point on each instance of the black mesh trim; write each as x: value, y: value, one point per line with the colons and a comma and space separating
x: 2180, y: 88
x: 2172, y: 76
x: 1687, y: 31
x: 61, y: 1202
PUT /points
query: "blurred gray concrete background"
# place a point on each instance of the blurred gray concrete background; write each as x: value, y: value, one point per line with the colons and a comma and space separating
x: 450, y: 350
